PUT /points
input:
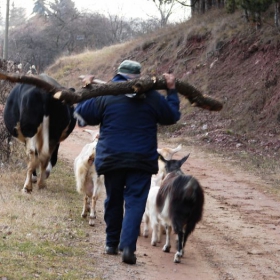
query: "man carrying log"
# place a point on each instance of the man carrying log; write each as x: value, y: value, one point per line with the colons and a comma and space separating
x: 126, y: 152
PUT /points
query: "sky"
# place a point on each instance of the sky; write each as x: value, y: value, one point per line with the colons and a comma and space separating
x: 128, y: 8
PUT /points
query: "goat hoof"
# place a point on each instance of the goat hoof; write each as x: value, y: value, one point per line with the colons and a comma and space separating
x: 182, y: 253
x: 177, y: 257
x: 166, y: 249
x: 91, y: 223
x: 154, y: 243
x: 83, y: 215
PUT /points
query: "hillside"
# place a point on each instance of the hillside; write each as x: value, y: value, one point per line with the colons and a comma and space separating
x: 225, y: 58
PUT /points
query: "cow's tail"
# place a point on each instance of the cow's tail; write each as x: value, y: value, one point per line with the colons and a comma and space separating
x: 45, y: 135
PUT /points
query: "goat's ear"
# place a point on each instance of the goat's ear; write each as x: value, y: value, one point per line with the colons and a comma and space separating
x: 161, y: 157
x: 184, y: 159
x: 178, y: 148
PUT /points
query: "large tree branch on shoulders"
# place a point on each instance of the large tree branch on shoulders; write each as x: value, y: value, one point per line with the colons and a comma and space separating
x: 139, y: 86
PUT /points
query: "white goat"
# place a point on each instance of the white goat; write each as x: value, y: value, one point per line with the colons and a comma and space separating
x: 87, y: 180
x: 150, y: 217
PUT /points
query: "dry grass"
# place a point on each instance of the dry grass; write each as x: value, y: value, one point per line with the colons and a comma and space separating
x: 42, y: 235
x: 68, y: 69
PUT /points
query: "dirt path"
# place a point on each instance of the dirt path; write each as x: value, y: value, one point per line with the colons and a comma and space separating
x: 238, y: 238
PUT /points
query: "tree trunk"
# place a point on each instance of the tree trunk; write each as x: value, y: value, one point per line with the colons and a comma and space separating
x: 6, y: 38
x: 139, y: 86
x: 276, y: 13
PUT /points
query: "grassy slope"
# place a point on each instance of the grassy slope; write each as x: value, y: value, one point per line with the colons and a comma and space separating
x: 44, y: 237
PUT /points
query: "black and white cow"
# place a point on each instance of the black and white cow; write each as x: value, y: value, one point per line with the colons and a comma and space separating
x: 41, y: 122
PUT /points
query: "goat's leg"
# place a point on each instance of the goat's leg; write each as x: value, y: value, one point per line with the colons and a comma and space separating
x: 80, y: 177
x: 179, y: 253
x: 85, y: 207
x: 156, y: 228
x: 146, y: 225
x: 155, y: 234
x: 92, y: 214
x: 167, y: 245
x: 188, y: 230
x: 159, y: 232
x: 97, y: 184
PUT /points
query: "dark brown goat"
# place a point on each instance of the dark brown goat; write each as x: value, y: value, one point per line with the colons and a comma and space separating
x: 179, y: 203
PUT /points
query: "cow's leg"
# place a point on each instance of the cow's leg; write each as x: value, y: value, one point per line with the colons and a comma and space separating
x: 45, y: 151
x: 48, y: 170
x: 31, y: 166
x: 167, y: 245
x: 28, y: 181
x: 52, y: 162
x: 34, y: 176
x: 43, y: 174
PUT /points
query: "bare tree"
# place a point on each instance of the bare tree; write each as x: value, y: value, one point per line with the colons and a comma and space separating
x: 6, y: 38
x: 60, y: 29
x: 17, y: 16
x: 165, y: 8
x: 276, y: 12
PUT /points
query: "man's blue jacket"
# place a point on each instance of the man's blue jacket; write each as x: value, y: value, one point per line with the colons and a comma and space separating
x: 128, y: 127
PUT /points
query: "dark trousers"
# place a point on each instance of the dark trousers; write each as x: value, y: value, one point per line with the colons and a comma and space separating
x: 127, y: 191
